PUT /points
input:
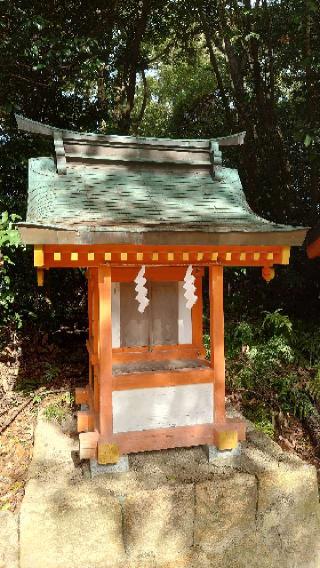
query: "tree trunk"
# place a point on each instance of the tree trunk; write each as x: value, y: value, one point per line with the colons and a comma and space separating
x: 133, y: 53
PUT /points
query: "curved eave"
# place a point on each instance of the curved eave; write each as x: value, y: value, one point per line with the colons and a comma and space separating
x: 49, y: 235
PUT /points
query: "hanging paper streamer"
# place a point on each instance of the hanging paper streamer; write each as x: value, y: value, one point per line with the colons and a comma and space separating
x: 189, y: 288
x: 141, y: 290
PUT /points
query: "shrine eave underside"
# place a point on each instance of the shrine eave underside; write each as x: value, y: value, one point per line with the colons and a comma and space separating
x: 45, y: 235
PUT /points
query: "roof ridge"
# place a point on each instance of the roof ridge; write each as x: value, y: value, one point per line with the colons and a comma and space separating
x: 29, y: 125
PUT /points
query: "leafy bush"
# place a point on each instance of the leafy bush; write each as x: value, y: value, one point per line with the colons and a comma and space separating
x: 9, y: 240
x: 264, y: 364
x: 276, y: 324
x: 59, y: 410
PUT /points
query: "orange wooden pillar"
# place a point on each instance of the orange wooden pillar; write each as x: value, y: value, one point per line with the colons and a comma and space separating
x: 105, y: 352
x: 197, y: 331
x: 90, y: 322
x: 217, y: 341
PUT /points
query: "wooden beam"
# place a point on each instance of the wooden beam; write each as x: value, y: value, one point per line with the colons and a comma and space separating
x: 154, y: 379
x: 197, y: 310
x: 217, y: 340
x: 163, y: 352
x: 88, y: 445
x: 131, y: 256
x: 94, y: 341
x: 164, y: 438
x: 105, y: 351
x: 85, y: 422
x: 178, y: 437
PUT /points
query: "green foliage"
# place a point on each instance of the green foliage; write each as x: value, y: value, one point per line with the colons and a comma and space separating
x: 59, y: 410
x: 277, y: 324
x: 262, y: 419
x: 306, y: 342
x: 243, y: 334
x: 51, y: 373
x: 9, y: 240
x: 268, y: 373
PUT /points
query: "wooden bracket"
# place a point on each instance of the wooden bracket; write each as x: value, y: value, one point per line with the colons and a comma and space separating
x: 81, y: 395
x: 226, y: 435
x: 85, y: 421
x: 40, y: 276
x: 285, y: 255
x: 108, y: 453
x: 60, y: 153
x: 227, y: 440
x: 38, y: 256
x: 88, y: 445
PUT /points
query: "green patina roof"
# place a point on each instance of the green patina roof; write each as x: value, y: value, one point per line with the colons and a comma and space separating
x: 93, y: 198
x: 109, y: 188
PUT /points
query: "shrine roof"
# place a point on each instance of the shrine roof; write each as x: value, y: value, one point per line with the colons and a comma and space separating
x: 140, y: 190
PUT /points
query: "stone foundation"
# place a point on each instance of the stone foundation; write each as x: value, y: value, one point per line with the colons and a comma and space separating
x: 171, y: 510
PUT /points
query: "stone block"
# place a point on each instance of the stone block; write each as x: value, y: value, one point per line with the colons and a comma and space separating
x: 122, y: 466
x: 158, y: 524
x: 70, y: 525
x: 288, y: 515
x: 9, y: 553
x: 225, y: 510
x: 224, y: 458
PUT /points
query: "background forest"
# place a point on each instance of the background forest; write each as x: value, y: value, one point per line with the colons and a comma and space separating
x: 178, y: 68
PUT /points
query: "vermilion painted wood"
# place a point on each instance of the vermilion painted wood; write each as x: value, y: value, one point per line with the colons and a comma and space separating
x: 176, y: 352
x: 217, y: 340
x: 197, y: 310
x: 105, y: 351
x: 81, y: 395
x: 153, y: 273
x: 154, y: 348
x: 84, y: 421
x: 179, y: 437
x: 162, y: 379
x: 119, y: 248
x: 126, y: 255
x: 164, y: 438
x: 90, y: 318
x: 313, y: 249
x: 95, y: 339
x: 233, y: 424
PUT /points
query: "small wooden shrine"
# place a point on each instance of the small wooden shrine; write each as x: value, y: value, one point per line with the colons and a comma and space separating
x: 144, y: 217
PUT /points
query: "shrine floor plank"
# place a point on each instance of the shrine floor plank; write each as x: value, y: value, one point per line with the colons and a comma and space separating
x: 149, y: 374
x: 165, y: 365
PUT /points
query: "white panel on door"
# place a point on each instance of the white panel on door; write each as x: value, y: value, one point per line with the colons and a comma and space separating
x: 184, y: 318
x: 165, y: 407
x: 115, y: 313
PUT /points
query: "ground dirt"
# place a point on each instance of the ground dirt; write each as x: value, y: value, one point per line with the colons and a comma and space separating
x: 35, y: 372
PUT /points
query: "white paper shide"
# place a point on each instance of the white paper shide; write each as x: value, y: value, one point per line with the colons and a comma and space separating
x: 141, y: 290
x: 190, y: 288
